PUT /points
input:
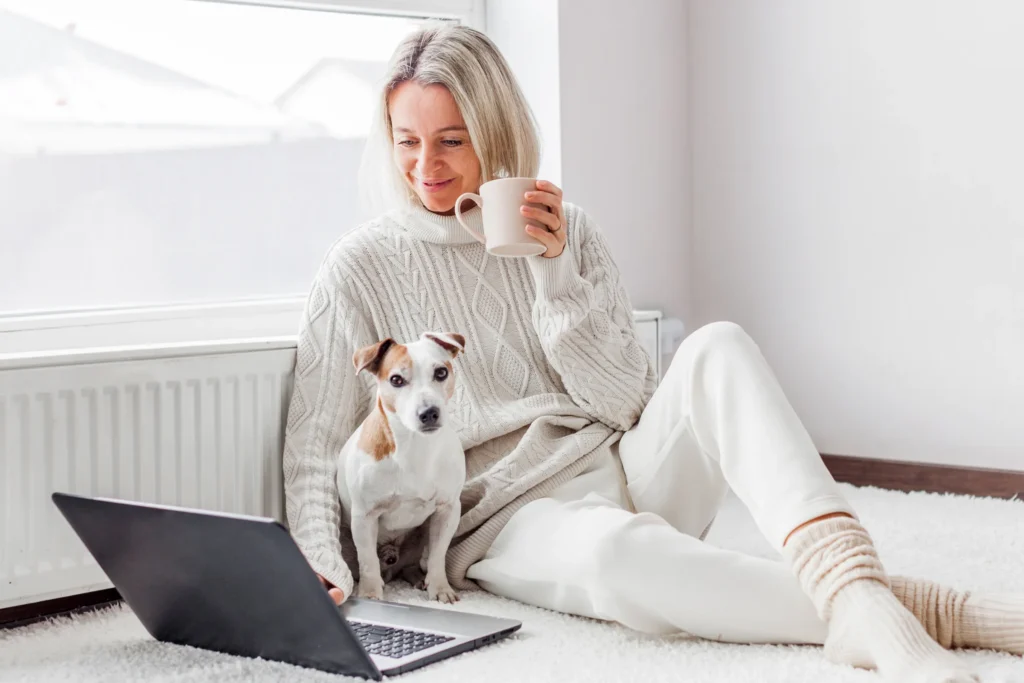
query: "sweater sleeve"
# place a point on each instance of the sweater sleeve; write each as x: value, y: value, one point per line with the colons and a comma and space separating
x: 327, y: 404
x: 584, y: 318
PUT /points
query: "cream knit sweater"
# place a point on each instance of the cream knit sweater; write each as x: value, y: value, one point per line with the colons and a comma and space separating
x: 551, y: 377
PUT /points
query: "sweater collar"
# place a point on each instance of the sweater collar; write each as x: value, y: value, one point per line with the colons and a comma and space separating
x: 432, y: 227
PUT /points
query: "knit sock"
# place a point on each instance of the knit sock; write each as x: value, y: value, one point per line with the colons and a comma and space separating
x: 837, y: 565
x: 958, y: 619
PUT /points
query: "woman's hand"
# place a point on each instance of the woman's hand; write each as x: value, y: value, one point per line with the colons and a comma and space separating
x: 552, y: 235
x: 336, y: 593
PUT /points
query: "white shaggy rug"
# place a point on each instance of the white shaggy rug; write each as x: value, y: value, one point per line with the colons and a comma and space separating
x: 970, y: 543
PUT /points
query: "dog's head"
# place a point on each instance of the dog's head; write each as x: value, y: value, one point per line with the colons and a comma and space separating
x: 414, y: 381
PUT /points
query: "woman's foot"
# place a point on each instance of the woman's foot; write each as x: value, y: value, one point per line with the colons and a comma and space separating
x: 838, y: 567
x: 958, y: 619
x: 869, y: 628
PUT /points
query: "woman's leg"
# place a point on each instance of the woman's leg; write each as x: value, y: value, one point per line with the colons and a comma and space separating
x: 592, y: 558
x: 720, y: 418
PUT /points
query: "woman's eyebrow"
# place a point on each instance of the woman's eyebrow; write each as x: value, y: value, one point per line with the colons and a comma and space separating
x: 446, y: 129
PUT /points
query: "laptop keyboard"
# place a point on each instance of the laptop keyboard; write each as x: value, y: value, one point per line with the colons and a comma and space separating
x: 394, y: 642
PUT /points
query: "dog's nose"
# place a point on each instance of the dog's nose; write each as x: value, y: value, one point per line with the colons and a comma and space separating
x: 430, y: 416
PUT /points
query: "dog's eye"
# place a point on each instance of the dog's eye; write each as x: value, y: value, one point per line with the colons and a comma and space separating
x: 441, y: 374
x: 397, y: 381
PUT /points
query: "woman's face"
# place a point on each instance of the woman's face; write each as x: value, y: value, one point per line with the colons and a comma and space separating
x: 431, y: 145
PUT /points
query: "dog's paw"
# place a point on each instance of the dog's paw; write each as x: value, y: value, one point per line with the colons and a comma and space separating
x: 441, y: 591
x: 371, y: 588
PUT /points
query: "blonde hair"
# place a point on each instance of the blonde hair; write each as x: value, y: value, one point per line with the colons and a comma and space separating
x: 501, y: 125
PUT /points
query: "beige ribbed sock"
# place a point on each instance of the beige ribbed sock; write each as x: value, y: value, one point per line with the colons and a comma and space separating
x: 837, y: 565
x: 958, y: 619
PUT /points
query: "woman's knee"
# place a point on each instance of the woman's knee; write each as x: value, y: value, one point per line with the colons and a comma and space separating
x: 723, y: 334
x: 721, y: 338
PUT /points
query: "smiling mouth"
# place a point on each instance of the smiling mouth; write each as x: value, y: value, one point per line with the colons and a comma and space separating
x: 435, y: 185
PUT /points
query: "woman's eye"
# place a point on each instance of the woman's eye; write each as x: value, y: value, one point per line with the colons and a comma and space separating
x: 441, y: 374
x: 451, y: 143
x: 397, y: 381
x: 406, y: 143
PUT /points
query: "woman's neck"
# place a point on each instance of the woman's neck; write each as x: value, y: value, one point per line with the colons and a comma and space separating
x: 438, y: 228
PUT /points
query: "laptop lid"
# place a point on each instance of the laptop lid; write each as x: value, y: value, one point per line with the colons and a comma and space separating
x: 230, y: 583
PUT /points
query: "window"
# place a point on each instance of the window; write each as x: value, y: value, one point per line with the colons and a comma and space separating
x: 183, y: 151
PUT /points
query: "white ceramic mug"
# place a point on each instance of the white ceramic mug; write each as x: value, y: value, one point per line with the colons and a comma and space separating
x: 504, y: 226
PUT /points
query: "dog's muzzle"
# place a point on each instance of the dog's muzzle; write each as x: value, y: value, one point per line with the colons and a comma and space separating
x: 430, y: 419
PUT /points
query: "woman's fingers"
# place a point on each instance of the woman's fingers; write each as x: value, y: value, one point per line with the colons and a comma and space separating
x: 548, y: 186
x: 552, y: 201
x: 546, y: 238
x: 549, y: 195
x: 554, y: 242
x: 336, y: 593
x: 552, y: 221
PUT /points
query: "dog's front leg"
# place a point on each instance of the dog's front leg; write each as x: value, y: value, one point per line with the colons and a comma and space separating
x: 364, y: 536
x: 442, y: 528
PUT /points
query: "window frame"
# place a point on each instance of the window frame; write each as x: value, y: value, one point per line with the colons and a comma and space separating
x: 46, y: 332
x: 471, y: 12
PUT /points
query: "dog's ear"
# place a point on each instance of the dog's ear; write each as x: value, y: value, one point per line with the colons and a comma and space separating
x: 451, y: 342
x: 370, y: 357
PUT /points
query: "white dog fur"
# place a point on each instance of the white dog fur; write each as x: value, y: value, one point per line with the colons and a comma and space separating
x: 404, y: 463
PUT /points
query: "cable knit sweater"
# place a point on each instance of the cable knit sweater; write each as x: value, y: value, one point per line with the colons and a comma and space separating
x: 552, y: 374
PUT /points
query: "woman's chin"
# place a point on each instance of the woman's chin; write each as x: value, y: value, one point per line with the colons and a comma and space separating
x: 438, y: 204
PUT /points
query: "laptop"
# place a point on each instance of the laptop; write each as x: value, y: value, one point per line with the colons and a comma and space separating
x: 238, y: 584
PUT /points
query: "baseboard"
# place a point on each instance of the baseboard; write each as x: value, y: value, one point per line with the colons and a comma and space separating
x: 915, y: 476
x: 22, y: 615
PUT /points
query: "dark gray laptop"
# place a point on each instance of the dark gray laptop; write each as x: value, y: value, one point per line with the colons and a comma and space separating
x: 240, y: 585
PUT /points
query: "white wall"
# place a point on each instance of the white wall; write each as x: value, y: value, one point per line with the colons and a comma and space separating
x: 526, y: 32
x: 608, y: 82
x: 858, y: 205
x: 624, y: 143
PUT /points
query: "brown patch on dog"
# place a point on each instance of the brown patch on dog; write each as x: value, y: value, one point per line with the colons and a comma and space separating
x: 387, y: 398
x: 453, y: 349
x: 370, y: 357
x: 395, y: 358
x: 449, y: 383
x: 376, y: 437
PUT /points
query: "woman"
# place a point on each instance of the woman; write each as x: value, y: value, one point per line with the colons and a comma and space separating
x: 588, y: 490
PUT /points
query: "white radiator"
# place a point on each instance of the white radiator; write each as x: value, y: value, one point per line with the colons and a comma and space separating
x: 198, y: 426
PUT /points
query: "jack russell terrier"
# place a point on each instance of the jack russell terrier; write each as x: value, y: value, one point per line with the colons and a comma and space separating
x: 404, y: 463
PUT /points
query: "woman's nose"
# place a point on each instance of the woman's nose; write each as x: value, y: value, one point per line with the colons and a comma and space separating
x: 428, y: 159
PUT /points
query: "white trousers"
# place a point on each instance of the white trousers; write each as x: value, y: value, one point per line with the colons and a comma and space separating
x: 719, y: 419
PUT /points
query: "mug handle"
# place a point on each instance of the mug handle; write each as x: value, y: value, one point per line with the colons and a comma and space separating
x: 458, y: 215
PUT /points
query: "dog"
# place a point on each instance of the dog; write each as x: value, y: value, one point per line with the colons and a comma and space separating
x: 405, y: 463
